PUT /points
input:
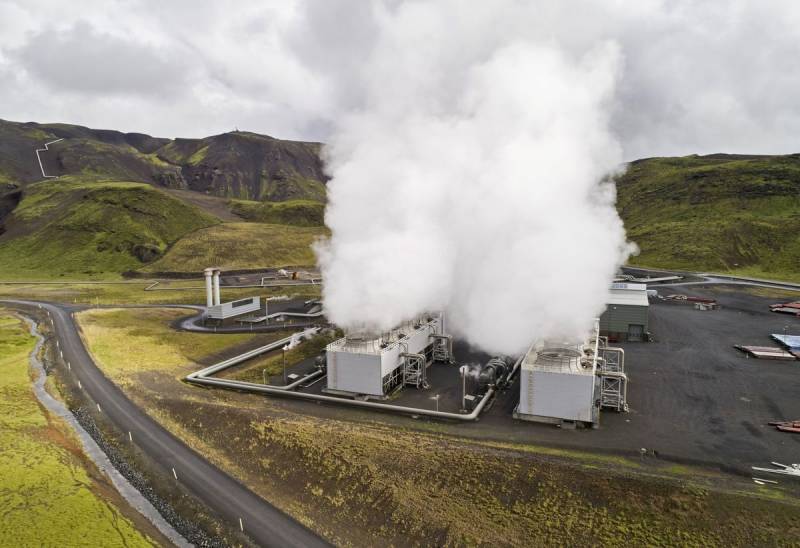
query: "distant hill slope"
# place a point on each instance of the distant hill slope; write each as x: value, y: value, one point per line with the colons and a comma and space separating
x: 72, y: 228
x: 292, y: 212
x: 239, y: 246
x: 719, y: 213
x: 233, y: 165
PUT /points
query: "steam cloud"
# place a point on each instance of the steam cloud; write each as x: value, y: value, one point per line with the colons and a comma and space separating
x: 470, y: 182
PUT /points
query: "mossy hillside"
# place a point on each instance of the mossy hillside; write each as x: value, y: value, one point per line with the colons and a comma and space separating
x: 290, y: 186
x: 718, y: 213
x: 69, y: 227
x: 240, y: 246
x: 292, y: 212
x: 47, y: 496
x: 249, y: 166
x: 117, y: 161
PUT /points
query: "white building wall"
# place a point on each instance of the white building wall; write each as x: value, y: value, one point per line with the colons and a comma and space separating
x: 362, y: 373
x: 565, y: 396
x: 358, y: 373
x: 228, y: 310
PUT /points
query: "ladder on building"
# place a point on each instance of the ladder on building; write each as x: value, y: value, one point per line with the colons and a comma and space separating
x: 613, y: 380
x: 414, y: 370
x: 442, y: 348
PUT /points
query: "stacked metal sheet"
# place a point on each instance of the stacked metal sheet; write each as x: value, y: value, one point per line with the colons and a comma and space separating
x: 790, y: 342
x: 766, y: 352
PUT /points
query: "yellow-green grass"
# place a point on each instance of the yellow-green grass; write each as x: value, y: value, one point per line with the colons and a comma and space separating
x: 291, y: 212
x: 133, y: 293
x: 47, y: 496
x: 240, y: 246
x: 91, y: 229
x: 726, y: 214
x: 126, y: 342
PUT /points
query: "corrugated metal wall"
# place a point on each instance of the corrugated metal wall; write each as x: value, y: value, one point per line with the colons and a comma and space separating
x: 618, y: 317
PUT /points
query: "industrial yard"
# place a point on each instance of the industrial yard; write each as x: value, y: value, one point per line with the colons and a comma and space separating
x: 690, y: 424
x: 400, y: 273
x: 693, y: 397
x: 691, y: 434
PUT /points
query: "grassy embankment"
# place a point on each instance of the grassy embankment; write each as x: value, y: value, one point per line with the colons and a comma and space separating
x: 83, y: 229
x: 145, y: 335
x: 50, y: 494
x: 292, y: 212
x: 133, y: 293
x: 240, y: 246
x: 373, y: 480
x: 726, y: 214
x: 91, y: 230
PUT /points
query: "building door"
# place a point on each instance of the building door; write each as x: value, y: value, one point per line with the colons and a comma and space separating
x: 635, y: 332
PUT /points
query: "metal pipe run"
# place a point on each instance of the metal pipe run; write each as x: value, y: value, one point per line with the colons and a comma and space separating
x: 203, y: 377
x: 252, y: 387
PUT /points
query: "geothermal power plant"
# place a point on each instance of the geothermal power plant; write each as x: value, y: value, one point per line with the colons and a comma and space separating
x: 420, y: 369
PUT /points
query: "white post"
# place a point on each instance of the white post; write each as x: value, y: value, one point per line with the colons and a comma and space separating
x: 209, y: 289
x: 216, y: 288
x: 463, y: 370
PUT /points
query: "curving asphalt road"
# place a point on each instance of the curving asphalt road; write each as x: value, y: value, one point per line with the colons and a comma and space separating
x: 225, y: 496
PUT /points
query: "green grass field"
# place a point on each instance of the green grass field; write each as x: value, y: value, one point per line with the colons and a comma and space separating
x: 292, y: 212
x: 47, y: 495
x: 77, y: 229
x: 738, y: 215
x: 240, y: 246
x: 191, y: 292
x: 126, y: 342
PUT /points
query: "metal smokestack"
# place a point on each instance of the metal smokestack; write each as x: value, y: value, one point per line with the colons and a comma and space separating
x: 208, y: 273
x: 216, y: 288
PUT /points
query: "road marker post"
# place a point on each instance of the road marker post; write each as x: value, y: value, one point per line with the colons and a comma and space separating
x: 79, y: 385
x: 130, y: 436
x: 98, y: 408
x: 174, y: 473
x: 241, y: 525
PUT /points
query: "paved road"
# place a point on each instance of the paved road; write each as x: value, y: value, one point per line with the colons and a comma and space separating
x: 225, y: 496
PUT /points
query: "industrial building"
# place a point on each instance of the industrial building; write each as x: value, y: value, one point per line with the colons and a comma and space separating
x: 219, y: 311
x: 626, y: 314
x: 568, y: 383
x: 366, y: 365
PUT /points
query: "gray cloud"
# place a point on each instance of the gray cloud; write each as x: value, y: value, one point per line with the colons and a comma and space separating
x: 721, y: 75
x: 83, y: 59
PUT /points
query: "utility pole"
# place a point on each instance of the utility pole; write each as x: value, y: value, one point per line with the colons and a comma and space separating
x: 463, y: 370
x: 284, y: 364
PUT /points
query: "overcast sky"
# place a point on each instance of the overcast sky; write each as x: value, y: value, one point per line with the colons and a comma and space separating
x: 710, y: 76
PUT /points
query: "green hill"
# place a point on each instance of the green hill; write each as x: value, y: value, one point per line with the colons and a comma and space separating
x: 293, y: 212
x: 73, y: 228
x: 240, y: 246
x: 238, y: 165
x: 720, y: 213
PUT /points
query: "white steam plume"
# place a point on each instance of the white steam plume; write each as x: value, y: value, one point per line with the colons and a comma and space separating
x: 470, y: 182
